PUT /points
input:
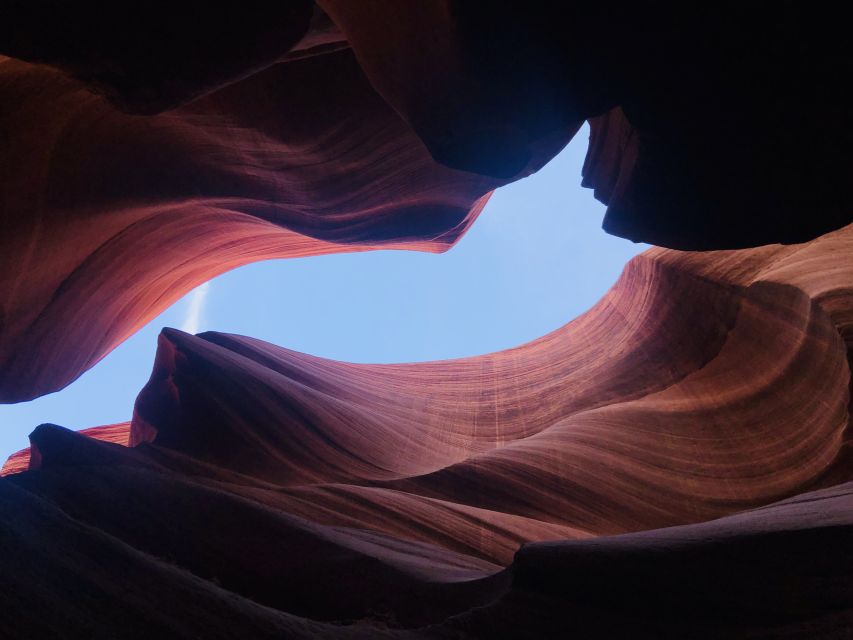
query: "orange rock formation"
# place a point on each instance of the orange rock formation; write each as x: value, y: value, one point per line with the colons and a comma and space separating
x: 702, y: 386
x: 674, y: 463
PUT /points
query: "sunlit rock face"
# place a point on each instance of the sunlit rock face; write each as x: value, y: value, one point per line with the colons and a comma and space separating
x: 680, y: 452
x: 134, y: 172
x: 108, y: 218
x: 674, y: 463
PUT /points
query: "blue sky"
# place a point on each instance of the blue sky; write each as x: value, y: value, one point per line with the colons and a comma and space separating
x: 535, y: 259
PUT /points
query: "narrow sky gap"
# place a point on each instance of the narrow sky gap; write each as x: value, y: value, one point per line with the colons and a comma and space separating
x: 196, y: 308
x: 535, y: 259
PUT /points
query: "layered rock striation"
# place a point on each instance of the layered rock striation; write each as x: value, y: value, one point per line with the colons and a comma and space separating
x: 679, y: 453
x: 133, y: 172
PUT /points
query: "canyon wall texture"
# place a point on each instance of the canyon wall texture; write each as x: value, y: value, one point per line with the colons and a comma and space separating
x: 108, y: 218
x: 674, y: 463
x: 133, y: 173
x: 677, y: 460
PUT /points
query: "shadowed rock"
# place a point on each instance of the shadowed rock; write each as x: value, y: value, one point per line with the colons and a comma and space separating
x: 674, y: 462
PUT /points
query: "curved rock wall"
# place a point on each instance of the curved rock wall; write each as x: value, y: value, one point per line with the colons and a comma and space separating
x: 670, y: 445
x: 674, y: 463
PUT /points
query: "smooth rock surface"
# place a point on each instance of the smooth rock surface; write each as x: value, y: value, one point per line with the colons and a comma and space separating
x: 674, y: 462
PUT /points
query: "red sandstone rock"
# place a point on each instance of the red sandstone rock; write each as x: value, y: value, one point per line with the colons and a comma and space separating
x: 108, y: 218
x: 270, y: 137
x: 27, y: 459
x: 699, y: 386
x: 702, y: 386
x: 701, y: 410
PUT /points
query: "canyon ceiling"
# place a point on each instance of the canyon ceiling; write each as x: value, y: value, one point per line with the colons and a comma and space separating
x: 676, y: 462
